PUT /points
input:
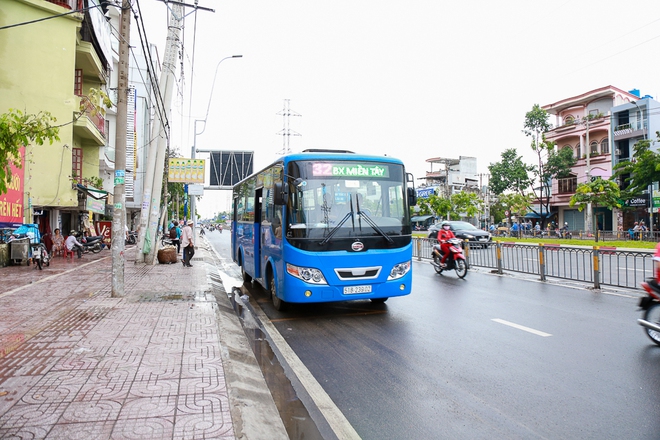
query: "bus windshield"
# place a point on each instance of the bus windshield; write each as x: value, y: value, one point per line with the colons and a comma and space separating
x: 346, y: 199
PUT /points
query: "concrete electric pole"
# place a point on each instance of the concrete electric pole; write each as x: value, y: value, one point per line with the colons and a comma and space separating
x: 119, y: 211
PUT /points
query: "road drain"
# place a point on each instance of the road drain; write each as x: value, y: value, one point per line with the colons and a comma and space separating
x: 295, y: 416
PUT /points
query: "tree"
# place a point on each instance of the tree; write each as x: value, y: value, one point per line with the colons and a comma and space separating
x: 466, y: 203
x: 599, y: 192
x: 18, y: 129
x: 509, y: 174
x: 512, y: 174
x: 641, y: 171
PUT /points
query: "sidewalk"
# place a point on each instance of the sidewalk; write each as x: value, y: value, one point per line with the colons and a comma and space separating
x: 169, y: 360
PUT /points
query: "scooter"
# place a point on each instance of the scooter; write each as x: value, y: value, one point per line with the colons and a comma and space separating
x: 40, y: 255
x: 92, y: 243
x: 456, y: 260
x: 650, y: 304
x: 132, y: 237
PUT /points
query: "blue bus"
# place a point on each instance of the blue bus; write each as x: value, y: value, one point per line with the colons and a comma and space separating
x: 324, y: 225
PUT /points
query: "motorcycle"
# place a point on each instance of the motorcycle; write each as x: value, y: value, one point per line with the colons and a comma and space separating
x: 40, y: 255
x: 92, y: 243
x: 132, y: 237
x: 650, y: 304
x: 456, y: 260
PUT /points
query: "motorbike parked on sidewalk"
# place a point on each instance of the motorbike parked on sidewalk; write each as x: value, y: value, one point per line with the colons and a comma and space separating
x: 455, y: 261
x: 132, y: 237
x: 650, y: 304
x: 92, y: 243
x: 40, y: 255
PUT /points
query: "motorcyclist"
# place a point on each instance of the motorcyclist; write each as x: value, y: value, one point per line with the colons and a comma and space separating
x: 445, y: 234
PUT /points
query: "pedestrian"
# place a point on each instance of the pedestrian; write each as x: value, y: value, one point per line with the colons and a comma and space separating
x: 636, y: 231
x: 187, y: 244
x: 175, y: 233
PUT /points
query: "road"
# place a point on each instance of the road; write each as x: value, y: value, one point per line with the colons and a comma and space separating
x: 485, y: 357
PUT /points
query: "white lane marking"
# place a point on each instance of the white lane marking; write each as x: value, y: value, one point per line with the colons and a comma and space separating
x: 522, y: 327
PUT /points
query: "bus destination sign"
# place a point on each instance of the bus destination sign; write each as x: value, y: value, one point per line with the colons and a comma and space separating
x: 329, y: 169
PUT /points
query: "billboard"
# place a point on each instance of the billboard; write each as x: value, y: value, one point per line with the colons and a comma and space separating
x: 11, y: 202
x: 186, y: 170
x: 230, y: 167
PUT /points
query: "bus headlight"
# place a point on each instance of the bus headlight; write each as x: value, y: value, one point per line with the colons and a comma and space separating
x: 307, y: 274
x: 399, y: 270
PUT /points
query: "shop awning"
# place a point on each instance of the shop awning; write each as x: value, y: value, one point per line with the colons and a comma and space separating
x: 97, y: 194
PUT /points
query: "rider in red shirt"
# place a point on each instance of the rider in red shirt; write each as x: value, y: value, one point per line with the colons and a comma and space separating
x: 445, y: 234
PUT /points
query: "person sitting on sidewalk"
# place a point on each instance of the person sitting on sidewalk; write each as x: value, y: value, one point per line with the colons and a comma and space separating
x: 187, y: 244
x: 58, y: 242
x: 71, y: 243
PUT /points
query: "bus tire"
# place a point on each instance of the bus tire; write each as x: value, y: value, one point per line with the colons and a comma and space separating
x: 378, y: 300
x: 278, y: 303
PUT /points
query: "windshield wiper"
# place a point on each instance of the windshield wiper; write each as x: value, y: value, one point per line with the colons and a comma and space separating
x: 336, y: 228
x: 371, y: 223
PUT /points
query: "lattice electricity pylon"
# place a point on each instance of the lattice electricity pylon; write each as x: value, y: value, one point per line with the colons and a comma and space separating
x: 286, y: 132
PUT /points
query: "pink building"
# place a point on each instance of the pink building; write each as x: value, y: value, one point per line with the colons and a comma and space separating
x: 583, y: 125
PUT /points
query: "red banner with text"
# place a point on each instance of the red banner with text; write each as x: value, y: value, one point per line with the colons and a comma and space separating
x: 11, y: 203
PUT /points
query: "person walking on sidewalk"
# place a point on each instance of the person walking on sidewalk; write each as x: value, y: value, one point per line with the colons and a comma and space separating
x: 175, y: 233
x: 187, y: 244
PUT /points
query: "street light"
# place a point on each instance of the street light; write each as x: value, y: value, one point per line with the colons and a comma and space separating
x: 194, y: 147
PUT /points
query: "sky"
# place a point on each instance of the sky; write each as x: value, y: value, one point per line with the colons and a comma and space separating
x: 414, y: 79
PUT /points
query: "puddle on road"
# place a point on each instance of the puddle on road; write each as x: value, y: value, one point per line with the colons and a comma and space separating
x: 297, y: 421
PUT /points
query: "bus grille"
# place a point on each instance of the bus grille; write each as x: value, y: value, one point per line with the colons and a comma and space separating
x: 358, y: 273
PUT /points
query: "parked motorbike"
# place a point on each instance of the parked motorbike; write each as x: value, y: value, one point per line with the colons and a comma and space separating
x: 650, y: 304
x: 92, y: 243
x: 40, y: 255
x: 165, y: 240
x: 132, y: 237
x: 456, y: 259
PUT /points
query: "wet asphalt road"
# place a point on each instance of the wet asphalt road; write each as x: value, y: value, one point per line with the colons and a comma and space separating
x: 485, y: 357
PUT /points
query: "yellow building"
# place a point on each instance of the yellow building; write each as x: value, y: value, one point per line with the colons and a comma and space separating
x: 50, y: 58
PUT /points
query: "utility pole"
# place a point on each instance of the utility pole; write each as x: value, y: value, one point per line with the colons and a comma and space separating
x: 286, y: 132
x: 153, y: 181
x: 147, y: 239
x: 588, y: 148
x: 119, y: 211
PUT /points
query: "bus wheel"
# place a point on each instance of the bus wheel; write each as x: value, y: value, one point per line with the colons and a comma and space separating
x: 378, y: 300
x: 278, y: 303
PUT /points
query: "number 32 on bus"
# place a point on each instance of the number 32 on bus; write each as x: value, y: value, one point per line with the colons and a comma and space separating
x: 321, y: 226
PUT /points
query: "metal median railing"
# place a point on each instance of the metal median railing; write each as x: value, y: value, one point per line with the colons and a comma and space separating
x: 597, y: 265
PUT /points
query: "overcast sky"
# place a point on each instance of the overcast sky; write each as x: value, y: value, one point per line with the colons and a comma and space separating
x: 413, y: 79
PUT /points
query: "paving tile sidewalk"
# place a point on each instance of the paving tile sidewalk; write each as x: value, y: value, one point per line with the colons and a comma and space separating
x: 76, y: 363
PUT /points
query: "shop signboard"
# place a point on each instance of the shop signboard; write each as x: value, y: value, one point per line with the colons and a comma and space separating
x: 11, y: 202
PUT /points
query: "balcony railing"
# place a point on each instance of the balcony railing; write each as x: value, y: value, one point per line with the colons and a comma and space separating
x: 69, y: 4
x: 93, y: 113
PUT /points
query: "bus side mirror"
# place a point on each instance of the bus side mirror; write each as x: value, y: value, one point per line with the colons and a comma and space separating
x: 279, y: 195
x: 412, y: 197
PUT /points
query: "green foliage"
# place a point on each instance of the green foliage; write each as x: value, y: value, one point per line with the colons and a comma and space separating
x: 603, y: 193
x: 641, y: 171
x: 517, y: 204
x: 18, y: 129
x: 510, y: 174
x: 459, y: 204
x: 536, y: 122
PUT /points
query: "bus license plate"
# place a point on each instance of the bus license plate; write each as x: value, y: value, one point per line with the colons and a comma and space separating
x: 356, y: 289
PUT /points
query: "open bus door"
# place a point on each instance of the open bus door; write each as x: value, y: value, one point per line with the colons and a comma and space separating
x: 258, y: 200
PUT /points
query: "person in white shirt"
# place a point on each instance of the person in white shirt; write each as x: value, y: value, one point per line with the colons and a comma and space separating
x: 71, y: 243
x: 187, y: 244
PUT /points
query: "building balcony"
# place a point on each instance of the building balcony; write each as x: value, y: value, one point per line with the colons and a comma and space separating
x: 91, y: 124
x: 68, y: 4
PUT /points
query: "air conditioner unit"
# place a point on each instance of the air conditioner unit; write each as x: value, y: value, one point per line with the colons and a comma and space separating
x: 617, y: 152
